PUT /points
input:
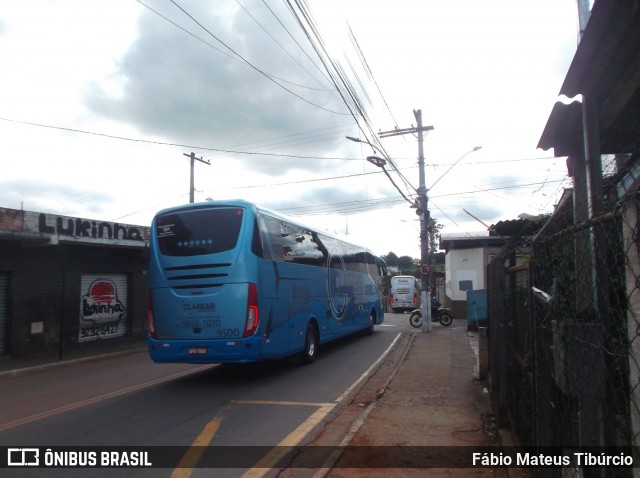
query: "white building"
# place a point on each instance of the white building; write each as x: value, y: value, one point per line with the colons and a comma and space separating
x: 466, y: 260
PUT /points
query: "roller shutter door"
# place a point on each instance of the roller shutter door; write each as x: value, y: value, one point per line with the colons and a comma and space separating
x: 103, y: 306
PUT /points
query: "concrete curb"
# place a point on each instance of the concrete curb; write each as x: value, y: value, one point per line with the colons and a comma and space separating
x: 45, y: 366
x: 362, y: 417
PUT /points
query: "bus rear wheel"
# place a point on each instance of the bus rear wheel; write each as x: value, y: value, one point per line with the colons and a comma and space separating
x: 372, y: 322
x: 310, y: 345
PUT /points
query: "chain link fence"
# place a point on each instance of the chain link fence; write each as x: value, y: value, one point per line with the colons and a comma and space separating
x: 564, y: 331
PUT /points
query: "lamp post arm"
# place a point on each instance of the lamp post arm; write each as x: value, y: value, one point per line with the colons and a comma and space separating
x: 476, y: 148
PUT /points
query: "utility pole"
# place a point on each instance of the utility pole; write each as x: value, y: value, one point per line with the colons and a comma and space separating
x: 193, y: 158
x: 425, y: 219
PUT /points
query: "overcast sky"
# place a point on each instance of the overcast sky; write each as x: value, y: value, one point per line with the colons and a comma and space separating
x: 101, y: 99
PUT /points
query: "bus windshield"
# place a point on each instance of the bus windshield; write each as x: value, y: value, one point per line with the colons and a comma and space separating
x: 199, y: 232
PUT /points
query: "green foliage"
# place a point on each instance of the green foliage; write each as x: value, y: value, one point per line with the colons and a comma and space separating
x: 391, y: 259
x: 405, y: 264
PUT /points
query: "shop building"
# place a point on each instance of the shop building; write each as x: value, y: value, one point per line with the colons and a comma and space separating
x: 68, y: 282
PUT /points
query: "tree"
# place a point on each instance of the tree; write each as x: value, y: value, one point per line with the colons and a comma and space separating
x: 438, y: 261
x: 391, y: 259
x: 434, y: 229
x: 405, y: 263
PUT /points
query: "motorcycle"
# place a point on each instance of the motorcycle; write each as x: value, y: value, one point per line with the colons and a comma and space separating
x: 441, y: 314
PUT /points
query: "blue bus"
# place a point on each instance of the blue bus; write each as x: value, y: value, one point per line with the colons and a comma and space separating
x: 232, y: 282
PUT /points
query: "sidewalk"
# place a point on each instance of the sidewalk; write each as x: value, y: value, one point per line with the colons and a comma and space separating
x: 15, y: 366
x: 430, y: 403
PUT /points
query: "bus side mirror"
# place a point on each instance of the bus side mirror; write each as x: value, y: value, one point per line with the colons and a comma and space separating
x: 382, y: 266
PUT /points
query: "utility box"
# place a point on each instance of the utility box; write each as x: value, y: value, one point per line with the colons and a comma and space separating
x: 477, y: 309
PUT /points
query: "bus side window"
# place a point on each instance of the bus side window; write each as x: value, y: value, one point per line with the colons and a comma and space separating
x: 272, y: 235
x: 257, y: 247
x: 372, y: 266
x: 305, y: 249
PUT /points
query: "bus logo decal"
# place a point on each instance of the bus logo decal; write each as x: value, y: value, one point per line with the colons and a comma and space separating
x: 191, y: 309
x: 335, y: 278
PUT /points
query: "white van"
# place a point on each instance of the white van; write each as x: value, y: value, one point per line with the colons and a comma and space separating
x: 405, y: 293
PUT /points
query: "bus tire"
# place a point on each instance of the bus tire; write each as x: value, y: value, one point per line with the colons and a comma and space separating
x: 372, y: 321
x: 310, y: 345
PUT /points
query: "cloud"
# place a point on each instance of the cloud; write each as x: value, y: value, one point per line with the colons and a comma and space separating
x: 325, y: 199
x: 173, y: 86
x: 52, y: 197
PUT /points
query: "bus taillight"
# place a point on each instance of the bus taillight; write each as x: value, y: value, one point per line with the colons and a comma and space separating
x: 253, y: 317
x: 150, y: 324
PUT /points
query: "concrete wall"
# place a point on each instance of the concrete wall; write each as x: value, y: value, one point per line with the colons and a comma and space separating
x: 466, y: 266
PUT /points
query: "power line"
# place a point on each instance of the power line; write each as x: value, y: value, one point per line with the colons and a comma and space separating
x: 497, y: 188
x: 303, y: 181
x: 350, y: 207
x: 365, y: 63
x: 222, y: 51
x: 251, y: 64
x: 445, y: 215
x: 368, y: 204
x: 337, y: 74
x: 276, y: 41
x: 162, y: 143
x: 121, y: 138
x: 294, y: 140
x: 303, y: 16
x: 296, y: 42
x: 342, y: 207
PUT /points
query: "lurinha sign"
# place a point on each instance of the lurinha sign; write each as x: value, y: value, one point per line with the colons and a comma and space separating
x: 61, y: 228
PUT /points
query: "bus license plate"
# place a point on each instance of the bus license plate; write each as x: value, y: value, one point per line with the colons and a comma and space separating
x: 197, y: 350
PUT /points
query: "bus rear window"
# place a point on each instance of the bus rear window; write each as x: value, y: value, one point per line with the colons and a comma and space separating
x: 194, y: 233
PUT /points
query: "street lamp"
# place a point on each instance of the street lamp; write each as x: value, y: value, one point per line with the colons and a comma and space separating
x: 476, y: 148
x: 376, y: 161
x: 358, y: 140
x: 411, y: 224
x: 379, y: 162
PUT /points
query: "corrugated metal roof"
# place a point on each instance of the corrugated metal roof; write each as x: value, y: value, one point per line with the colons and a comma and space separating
x: 471, y: 242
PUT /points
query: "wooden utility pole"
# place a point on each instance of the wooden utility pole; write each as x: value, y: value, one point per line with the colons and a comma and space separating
x: 193, y: 159
x: 423, y: 211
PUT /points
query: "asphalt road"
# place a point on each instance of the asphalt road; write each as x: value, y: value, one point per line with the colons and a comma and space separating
x: 129, y: 401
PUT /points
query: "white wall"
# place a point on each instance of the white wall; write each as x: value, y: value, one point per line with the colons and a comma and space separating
x: 464, y: 265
